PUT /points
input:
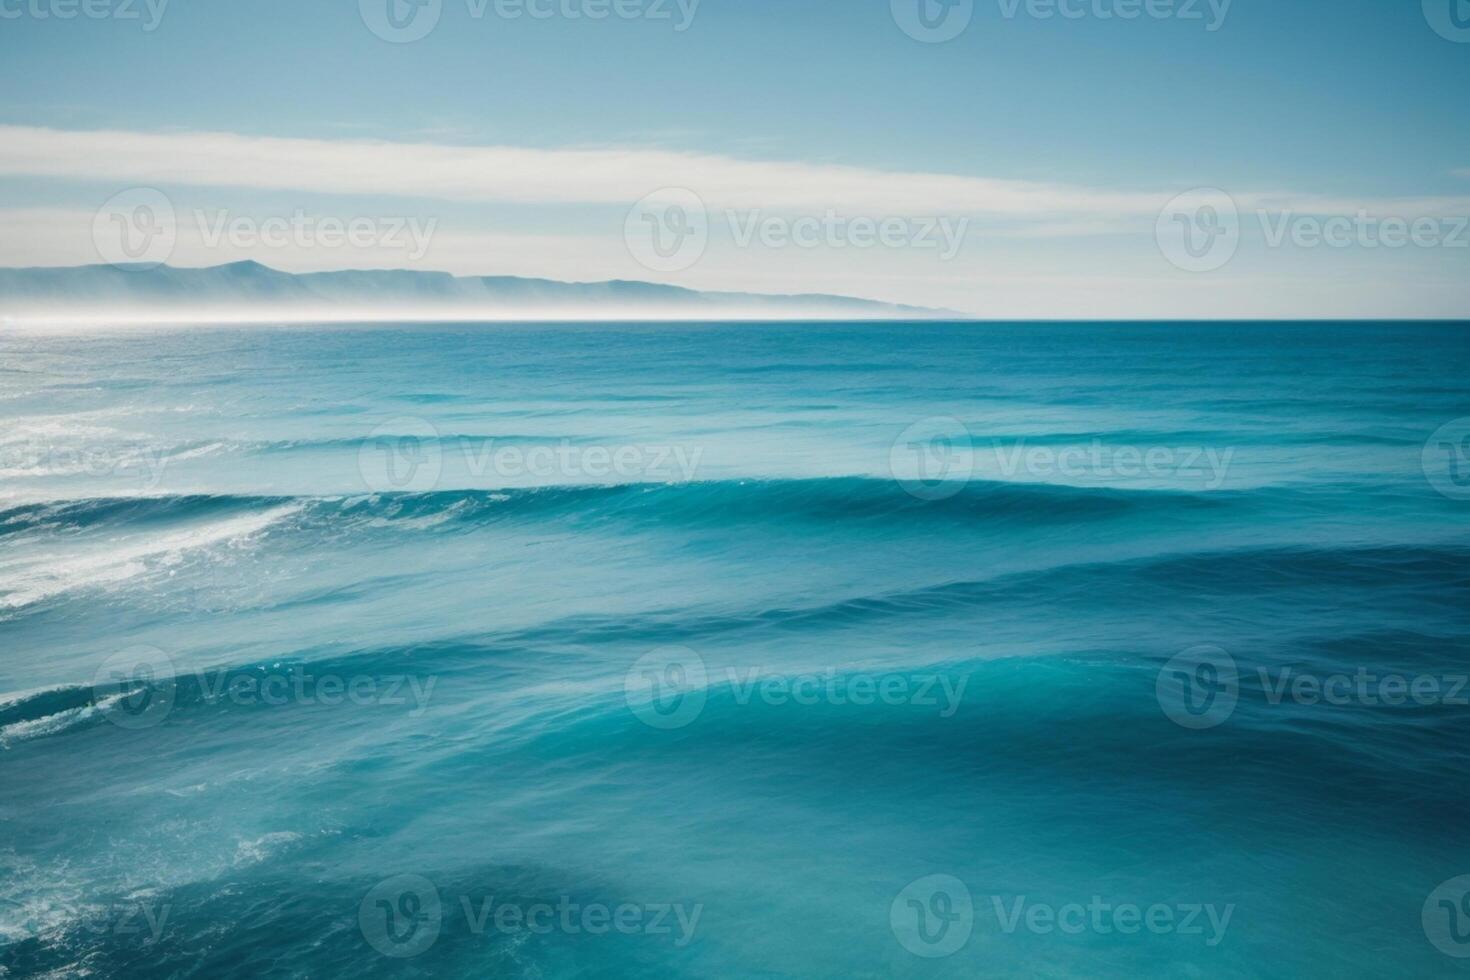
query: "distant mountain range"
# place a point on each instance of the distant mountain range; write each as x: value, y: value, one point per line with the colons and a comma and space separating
x: 249, y: 290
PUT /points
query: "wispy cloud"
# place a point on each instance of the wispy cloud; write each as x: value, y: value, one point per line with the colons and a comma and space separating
x: 603, y: 176
x: 530, y: 176
x: 1023, y: 234
x: 521, y: 175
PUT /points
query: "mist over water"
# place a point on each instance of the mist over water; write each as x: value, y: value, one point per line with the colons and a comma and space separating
x: 849, y: 650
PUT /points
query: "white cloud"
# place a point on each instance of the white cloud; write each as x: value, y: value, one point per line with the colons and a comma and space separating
x: 611, y: 176
x: 531, y: 176
x: 520, y: 175
x: 1035, y: 248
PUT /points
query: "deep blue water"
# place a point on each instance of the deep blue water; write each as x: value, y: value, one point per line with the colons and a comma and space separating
x: 804, y: 650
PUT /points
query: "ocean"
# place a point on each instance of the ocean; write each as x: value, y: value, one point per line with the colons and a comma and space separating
x: 735, y: 650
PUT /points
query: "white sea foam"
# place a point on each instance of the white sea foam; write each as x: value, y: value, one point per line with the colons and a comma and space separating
x: 424, y: 522
x: 59, y: 722
x: 30, y: 579
x: 208, y: 449
x: 249, y: 852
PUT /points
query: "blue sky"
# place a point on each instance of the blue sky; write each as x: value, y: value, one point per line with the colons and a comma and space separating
x: 1318, y: 106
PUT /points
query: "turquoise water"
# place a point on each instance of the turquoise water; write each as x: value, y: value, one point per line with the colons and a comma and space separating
x: 911, y: 650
